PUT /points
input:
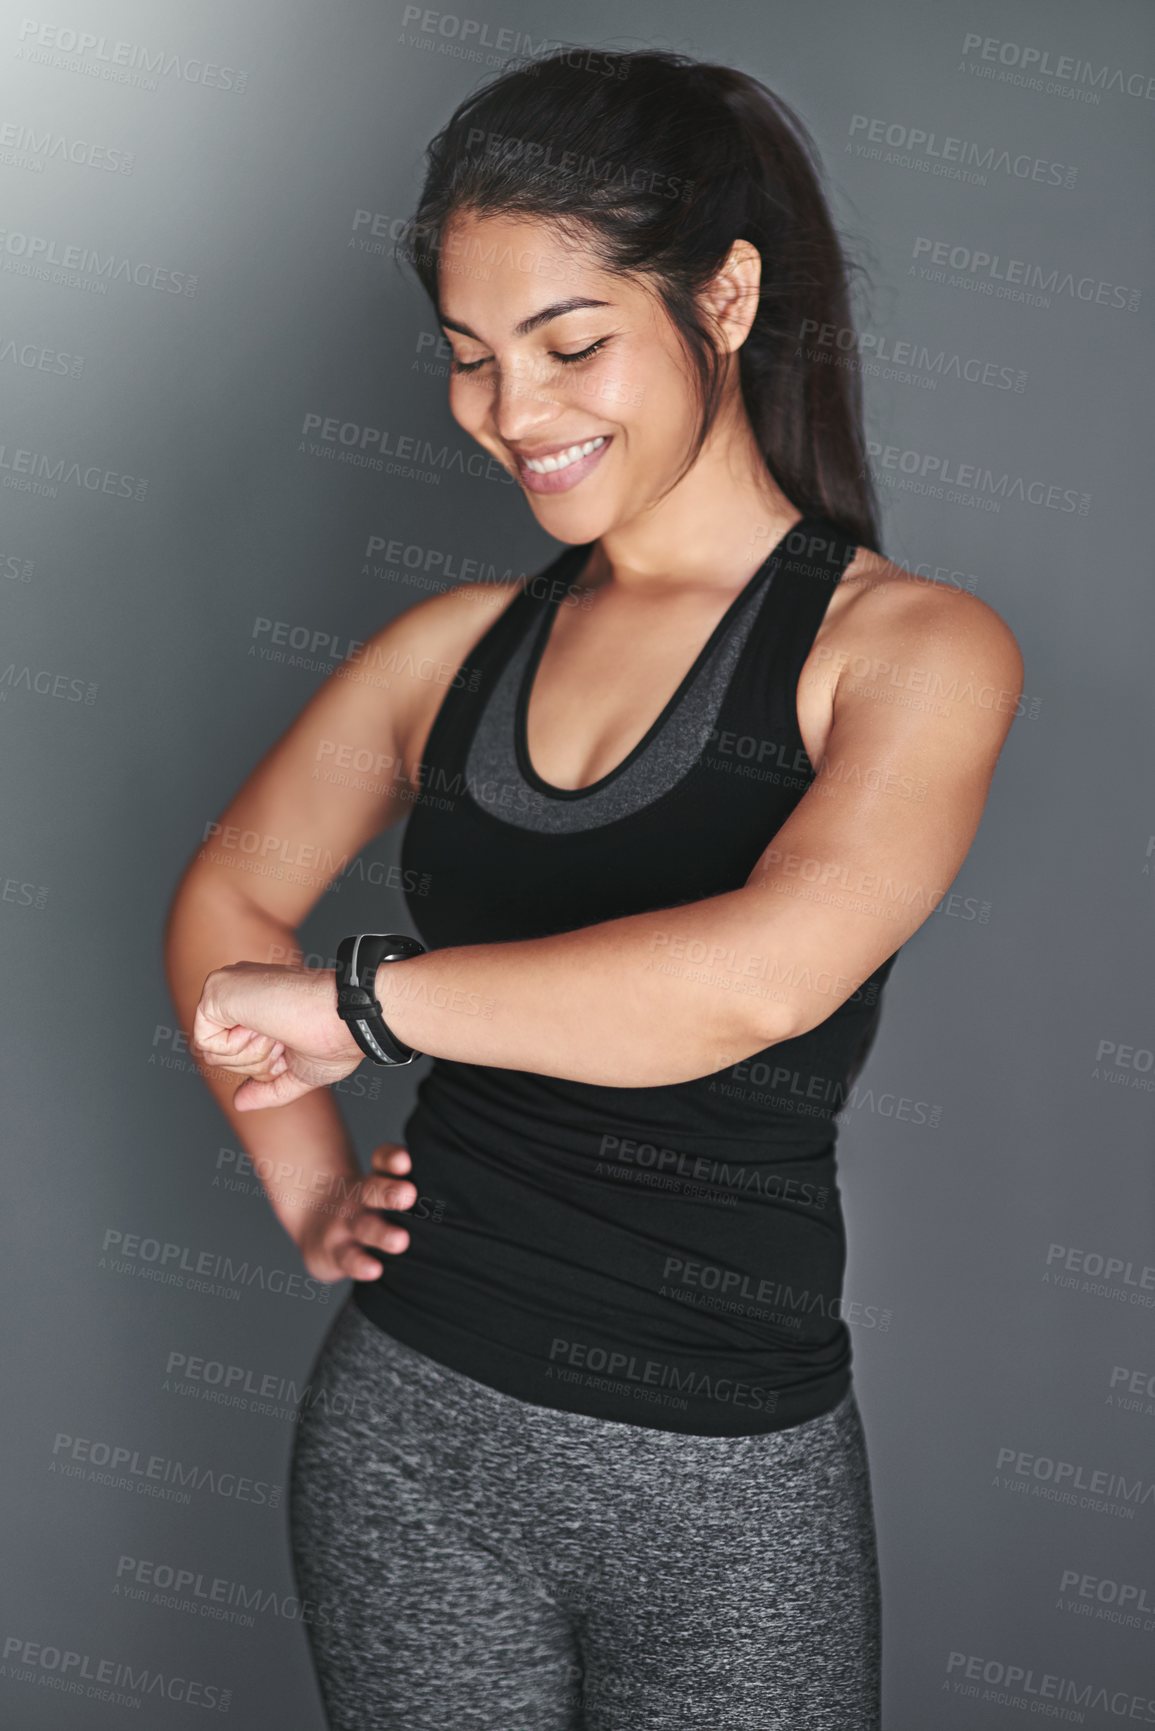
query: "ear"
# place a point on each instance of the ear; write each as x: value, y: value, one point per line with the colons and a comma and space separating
x: 730, y: 299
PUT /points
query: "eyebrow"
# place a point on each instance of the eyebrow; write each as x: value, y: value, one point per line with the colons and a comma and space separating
x: 533, y: 321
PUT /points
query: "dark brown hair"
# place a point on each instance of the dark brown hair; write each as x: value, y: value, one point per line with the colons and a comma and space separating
x: 658, y: 162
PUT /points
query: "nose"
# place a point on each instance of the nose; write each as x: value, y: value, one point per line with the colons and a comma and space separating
x: 524, y: 401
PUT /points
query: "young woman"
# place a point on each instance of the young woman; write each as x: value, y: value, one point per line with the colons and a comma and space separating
x: 590, y: 1453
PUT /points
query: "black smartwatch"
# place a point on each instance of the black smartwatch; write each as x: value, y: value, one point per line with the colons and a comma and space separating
x: 358, y: 959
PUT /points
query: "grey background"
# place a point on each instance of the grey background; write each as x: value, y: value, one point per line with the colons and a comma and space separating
x: 1026, y: 1033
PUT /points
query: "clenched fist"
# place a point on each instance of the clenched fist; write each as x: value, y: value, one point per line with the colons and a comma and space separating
x: 275, y: 1026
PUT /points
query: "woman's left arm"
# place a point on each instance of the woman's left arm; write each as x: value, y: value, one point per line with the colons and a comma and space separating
x: 866, y: 855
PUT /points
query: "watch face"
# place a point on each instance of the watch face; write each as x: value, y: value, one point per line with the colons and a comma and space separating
x: 401, y: 948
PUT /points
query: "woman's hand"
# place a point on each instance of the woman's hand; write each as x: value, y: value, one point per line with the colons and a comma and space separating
x: 332, y: 1245
x: 275, y: 1026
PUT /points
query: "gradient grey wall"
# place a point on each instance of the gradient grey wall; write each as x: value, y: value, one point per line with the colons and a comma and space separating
x: 167, y: 519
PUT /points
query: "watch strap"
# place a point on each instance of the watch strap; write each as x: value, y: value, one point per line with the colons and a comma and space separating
x: 358, y: 958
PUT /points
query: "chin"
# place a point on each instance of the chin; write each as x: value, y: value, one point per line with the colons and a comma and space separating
x: 573, y: 521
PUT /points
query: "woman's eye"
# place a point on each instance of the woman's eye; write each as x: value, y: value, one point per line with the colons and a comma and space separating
x: 456, y: 366
x: 581, y: 354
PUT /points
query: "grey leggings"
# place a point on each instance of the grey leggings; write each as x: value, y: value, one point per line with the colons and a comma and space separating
x: 476, y: 1561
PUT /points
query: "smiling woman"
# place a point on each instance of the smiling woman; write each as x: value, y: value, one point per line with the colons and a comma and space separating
x: 600, y: 1463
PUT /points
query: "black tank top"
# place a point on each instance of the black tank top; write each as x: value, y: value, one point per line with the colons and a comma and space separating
x: 668, y: 1256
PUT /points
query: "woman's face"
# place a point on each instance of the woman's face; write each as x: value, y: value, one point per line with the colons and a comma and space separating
x: 538, y: 374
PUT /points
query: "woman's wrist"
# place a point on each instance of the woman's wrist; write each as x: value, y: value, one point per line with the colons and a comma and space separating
x: 336, y: 1028
x: 332, y: 1193
x: 393, y: 990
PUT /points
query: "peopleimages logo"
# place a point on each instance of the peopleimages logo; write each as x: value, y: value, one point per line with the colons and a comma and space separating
x: 942, y: 154
x: 1109, y: 1274
x: 387, y: 452
x: 945, y: 477
x: 700, y: 1169
x: 202, y: 1270
x: 123, y: 1467
x: 121, y: 1682
x: 1071, y: 1482
x: 1022, y: 1686
x: 1039, y: 69
x: 1019, y: 278
x: 21, y: 146
x: 120, y: 62
x: 1108, y: 1601
x: 35, y: 253
x: 653, y: 1373
x: 42, y: 473
x: 907, y: 359
x: 39, y: 358
x: 177, y: 1588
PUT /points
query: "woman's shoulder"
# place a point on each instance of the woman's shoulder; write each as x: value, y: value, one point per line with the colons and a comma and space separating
x: 448, y: 626
x: 895, y: 615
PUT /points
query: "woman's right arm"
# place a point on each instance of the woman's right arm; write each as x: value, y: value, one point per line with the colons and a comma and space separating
x: 299, y: 818
x: 301, y: 1153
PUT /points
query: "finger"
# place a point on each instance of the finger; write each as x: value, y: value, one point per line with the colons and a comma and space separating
x: 215, y: 1042
x: 390, y: 1157
x: 261, y: 1066
x: 259, y: 1056
x: 388, y: 1193
x: 280, y: 1090
x: 235, y: 1039
x: 206, y: 1030
x: 371, y: 1229
x: 352, y: 1260
x: 260, y: 1046
x: 236, y: 1042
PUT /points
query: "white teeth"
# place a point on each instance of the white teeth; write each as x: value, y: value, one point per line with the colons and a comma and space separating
x: 563, y: 459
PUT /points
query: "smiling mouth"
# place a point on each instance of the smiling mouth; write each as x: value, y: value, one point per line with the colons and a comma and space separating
x: 562, y: 470
x: 562, y: 459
